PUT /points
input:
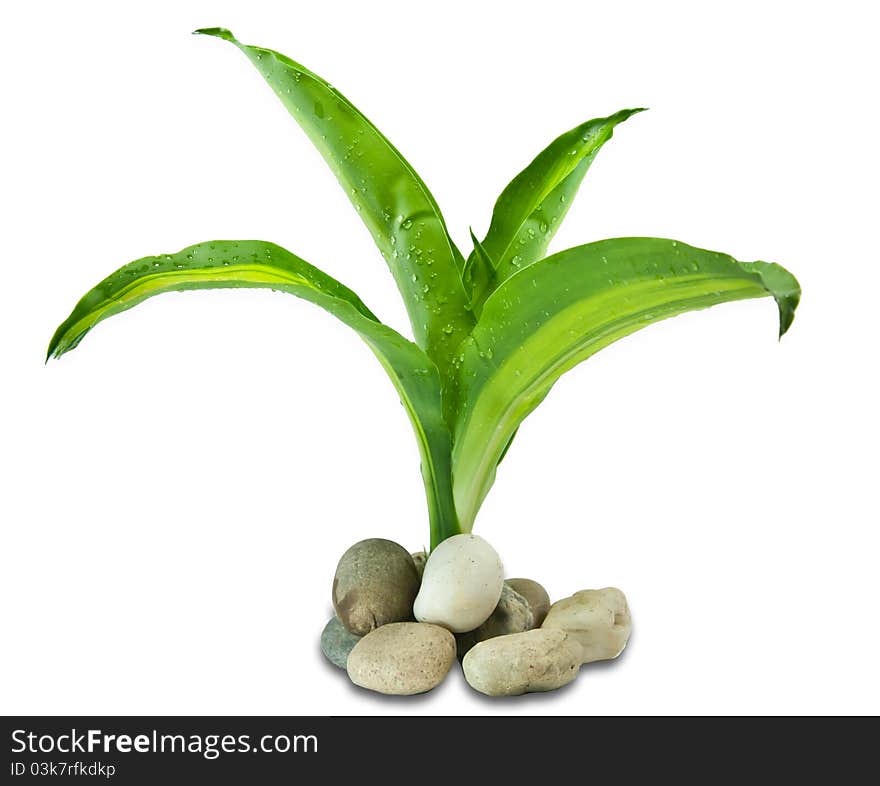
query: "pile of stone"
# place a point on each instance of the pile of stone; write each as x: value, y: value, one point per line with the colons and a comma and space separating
x: 402, y: 620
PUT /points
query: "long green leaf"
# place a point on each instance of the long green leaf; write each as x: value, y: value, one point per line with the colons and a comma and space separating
x: 390, y: 198
x: 561, y: 310
x: 256, y: 264
x: 531, y: 208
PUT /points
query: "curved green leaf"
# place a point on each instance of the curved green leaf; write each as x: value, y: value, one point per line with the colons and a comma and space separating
x: 258, y: 264
x: 532, y: 206
x: 390, y: 198
x: 479, y: 276
x: 561, y: 310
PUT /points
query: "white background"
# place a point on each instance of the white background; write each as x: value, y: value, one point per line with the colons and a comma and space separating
x: 175, y: 493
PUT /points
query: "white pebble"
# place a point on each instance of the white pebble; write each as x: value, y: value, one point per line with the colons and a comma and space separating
x: 461, y: 584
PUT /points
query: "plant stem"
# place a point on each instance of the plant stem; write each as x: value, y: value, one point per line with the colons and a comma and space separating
x: 443, y: 519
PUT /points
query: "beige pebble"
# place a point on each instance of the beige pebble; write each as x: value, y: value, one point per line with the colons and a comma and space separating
x: 598, y: 619
x: 537, y: 660
x: 402, y: 658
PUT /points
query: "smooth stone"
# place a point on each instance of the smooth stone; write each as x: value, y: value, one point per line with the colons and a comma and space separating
x: 535, y: 595
x: 419, y: 560
x: 337, y: 642
x: 598, y: 619
x: 511, y: 615
x: 402, y: 658
x: 461, y: 584
x: 375, y: 583
x: 537, y: 660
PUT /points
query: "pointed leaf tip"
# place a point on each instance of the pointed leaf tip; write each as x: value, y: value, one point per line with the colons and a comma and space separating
x: 217, y: 32
x: 626, y: 114
x: 782, y: 285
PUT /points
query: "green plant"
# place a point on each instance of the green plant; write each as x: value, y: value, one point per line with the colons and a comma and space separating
x: 493, y: 331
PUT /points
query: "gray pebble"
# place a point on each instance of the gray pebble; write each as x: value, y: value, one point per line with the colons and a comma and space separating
x: 337, y: 642
x: 535, y: 594
x: 511, y: 615
x: 375, y: 583
x: 419, y: 559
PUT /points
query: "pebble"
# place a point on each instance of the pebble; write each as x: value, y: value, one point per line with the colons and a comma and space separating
x: 511, y: 615
x: 337, y: 642
x: 375, y: 583
x: 535, y: 594
x: 461, y: 584
x: 537, y: 660
x: 598, y: 619
x: 402, y: 658
x: 419, y: 560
